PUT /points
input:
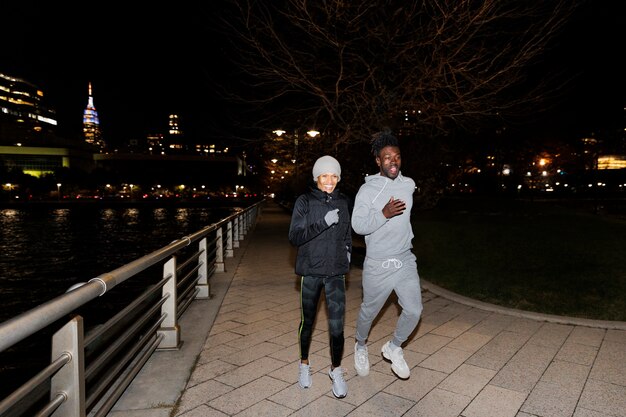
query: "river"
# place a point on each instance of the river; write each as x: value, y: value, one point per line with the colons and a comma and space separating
x: 47, y: 248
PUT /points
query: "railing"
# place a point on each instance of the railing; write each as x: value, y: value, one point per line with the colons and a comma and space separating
x: 90, y: 369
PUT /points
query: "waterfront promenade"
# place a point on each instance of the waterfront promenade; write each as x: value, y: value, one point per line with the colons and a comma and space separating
x: 240, y: 353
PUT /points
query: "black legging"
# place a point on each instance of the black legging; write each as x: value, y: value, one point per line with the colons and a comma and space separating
x: 335, y: 293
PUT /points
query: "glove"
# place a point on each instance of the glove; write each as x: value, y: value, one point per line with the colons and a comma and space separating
x: 332, y: 217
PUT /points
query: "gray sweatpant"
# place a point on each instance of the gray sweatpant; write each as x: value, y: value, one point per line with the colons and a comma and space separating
x: 380, y: 277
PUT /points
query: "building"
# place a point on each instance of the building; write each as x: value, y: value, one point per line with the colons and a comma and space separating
x: 91, y: 124
x: 24, y: 116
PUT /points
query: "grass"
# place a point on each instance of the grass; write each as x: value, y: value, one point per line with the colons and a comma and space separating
x: 535, y: 256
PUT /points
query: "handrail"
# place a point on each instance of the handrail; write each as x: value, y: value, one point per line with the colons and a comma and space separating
x: 76, y: 387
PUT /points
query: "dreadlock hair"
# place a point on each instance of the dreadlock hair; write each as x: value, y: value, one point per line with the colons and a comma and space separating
x: 382, y: 139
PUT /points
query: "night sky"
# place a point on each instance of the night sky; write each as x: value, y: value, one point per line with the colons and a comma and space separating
x: 146, y: 64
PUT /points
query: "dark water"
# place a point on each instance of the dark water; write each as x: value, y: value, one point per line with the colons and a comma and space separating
x: 46, y: 250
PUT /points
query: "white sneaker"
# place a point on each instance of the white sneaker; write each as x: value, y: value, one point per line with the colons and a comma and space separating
x: 398, y: 364
x: 304, y: 378
x: 361, y: 360
x: 340, y: 388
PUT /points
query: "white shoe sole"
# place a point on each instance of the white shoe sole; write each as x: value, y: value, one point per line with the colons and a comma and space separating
x: 394, y: 368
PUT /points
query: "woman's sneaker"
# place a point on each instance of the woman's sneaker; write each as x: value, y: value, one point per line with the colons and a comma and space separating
x: 398, y: 364
x: 340, y: 388
x: 304, y: 379
x: 361, y: 360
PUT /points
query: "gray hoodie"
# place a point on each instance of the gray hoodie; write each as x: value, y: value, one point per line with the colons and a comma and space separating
x: 384, y: 238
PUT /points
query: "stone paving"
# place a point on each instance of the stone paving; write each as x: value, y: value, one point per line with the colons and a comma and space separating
x: 467, y: 358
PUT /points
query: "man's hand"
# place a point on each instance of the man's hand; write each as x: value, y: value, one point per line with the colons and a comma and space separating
x: 393, y: 208
x: 332, y: 217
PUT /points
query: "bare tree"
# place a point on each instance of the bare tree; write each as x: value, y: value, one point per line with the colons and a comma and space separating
x: 430, y: 65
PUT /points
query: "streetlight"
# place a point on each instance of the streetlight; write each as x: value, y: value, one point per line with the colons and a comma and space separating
x: 59, y: 191
x: 312, y: 133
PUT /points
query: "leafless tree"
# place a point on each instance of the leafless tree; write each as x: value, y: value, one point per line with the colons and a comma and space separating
x: 351, y: 67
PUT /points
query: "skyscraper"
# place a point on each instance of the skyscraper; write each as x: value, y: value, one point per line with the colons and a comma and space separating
x: 91, y: 124
x: 24, y: 115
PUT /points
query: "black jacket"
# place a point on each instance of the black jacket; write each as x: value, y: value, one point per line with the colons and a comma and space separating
x: 322, y: 250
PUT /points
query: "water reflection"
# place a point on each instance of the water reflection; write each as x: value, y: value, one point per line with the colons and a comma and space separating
x: 47, y: 250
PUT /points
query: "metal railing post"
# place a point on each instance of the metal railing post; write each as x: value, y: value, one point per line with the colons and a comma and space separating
x: 236, y: 232
x: 242, y: 227
x: 68, y: 384
x: 219, y: 251
x: 170, y: 330
x: 203, y: 271
x: 229, y: 240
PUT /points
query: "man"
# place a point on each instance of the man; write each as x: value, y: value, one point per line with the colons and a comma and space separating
x: 381, y: 213
x: 320, y: 229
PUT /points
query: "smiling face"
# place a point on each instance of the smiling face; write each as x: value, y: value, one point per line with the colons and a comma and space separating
x: 327, y: 182
x: 389, y: 160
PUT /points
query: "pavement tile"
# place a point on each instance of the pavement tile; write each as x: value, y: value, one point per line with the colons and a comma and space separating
x: 493, y: 325
x: 610, y: 364
x: 249, y: 372
x: 550, y: 400
x: 200, y: 394
x: 247, y: 395
x: 604, y: 397
x: 294, y: 397
x: 382, y: 405
x: 265, y: 409
x: 524, y: 326
x: 420, y: 382
x: 568, y: 375
x: 363, y: 388
x: 618, y: 336
x: 217, y: 338
x: 583, y: 412
x: 252, y: 353
x: 439, y: 403
x: 469, y: 341
x: 467, y: 380
x: 495, y: 402
x: 429, y: 343
x: 445, y: 360
x: 551, y: 335
x: 497, y: 352
x: 209, y: 370
x: 202, y: 411
x: 525, y: 368
x: 248, y: 329
x: 587, y: 336
x: 577, y: 353
x: 326, y: 406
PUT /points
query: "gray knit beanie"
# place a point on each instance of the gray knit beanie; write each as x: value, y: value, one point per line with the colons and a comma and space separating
x: 326, y: 164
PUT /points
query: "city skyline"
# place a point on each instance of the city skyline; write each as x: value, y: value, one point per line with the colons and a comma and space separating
x: 146, y: 65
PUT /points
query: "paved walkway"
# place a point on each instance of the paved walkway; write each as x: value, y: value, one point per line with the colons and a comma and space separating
x: 470, y: 359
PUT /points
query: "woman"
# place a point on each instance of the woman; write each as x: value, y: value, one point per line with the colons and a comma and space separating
x: 320, y: 229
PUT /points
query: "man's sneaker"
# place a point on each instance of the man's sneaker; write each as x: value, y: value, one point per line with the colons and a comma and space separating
x: 398, y: 364
x: 340, y: 388
x: 304, y: 379
x: 361, y: 360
